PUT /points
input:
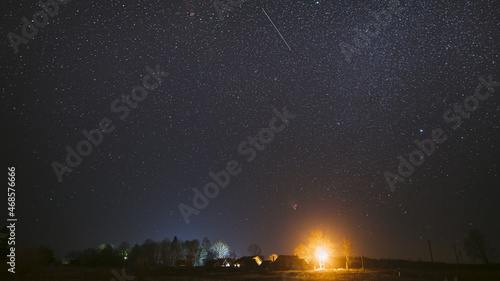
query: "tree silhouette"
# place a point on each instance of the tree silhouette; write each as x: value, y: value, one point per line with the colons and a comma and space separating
x: 149, y: 253
x: 30, y: 259
x: 90, y: 257
x: 165, y: 251
x: 254, y: 250
x: 204, y: 251
x: 317, y: 242
x: 107, y: 256
x: 134, y: 255
x: 192, y: 249
x: 302, y: 251
x: 478, y: 247
x: 232, y: 254
x: 175, y: 251
x: 347, y: 251
x: 124, y: 250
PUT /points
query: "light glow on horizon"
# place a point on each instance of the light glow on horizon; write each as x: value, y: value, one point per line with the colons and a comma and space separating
x: 321, y: 255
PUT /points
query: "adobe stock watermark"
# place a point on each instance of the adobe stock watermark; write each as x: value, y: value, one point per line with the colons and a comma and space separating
x: 122, y: 277
x: 362, y: 37
x: 452, y: 116
x: 40, y: 19
x: 121, y: 106
x: 221, y: 6
x: 221, y: 179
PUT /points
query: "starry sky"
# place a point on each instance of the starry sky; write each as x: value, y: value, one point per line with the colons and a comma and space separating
x: 223, y: 76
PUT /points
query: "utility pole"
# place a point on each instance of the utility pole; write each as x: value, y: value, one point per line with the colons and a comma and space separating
x: 362, y: 262
x: 430, y: 250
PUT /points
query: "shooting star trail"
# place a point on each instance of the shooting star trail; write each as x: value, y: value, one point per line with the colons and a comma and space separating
x: 276, y: 29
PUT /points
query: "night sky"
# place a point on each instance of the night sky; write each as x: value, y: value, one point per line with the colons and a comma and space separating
x: 351, y: 112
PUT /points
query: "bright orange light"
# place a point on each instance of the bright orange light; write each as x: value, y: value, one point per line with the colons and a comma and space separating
x: 317, y: 251
x: 321, y: 255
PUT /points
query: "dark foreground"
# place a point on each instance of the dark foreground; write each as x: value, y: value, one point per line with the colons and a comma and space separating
x: 56, y: 273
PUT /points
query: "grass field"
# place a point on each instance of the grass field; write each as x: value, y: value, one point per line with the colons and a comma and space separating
x: 60, y: 273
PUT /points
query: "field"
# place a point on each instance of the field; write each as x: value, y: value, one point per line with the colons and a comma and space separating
x: 56, y: 273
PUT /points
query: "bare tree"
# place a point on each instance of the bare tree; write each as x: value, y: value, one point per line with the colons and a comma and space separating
x: 347, y: 251
x: 302, y: 251
x: 220, y: 249
x: 318, y: 248
x: 478, y: 247
x: 150, y: 253
x: 232, y: 254
x: 192, y: 248
x: 254, y: 250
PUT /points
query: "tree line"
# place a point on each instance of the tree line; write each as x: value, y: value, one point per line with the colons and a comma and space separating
x: 177, y: 252
x: 152, y: 253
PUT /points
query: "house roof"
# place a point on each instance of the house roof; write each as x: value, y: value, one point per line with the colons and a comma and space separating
x: 286, y: 261
x: 249, y: 260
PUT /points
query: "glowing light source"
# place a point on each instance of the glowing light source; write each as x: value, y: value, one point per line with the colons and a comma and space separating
x: 318, y: 249
x: 321, y: 255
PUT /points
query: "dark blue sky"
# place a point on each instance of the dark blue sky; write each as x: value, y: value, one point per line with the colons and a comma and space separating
x: 364, y: 81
